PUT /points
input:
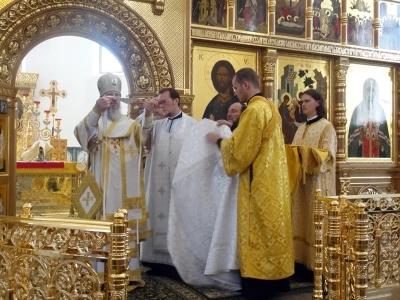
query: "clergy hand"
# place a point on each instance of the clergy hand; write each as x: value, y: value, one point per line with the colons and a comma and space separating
x: 102, y: 104
x: 224, y: 122
x: 212, y: 137
x: 150, y: 105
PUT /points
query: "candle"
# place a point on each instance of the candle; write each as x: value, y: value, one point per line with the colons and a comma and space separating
x: 37, y: 103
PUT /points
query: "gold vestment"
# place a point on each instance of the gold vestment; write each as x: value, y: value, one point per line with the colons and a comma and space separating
x: 318, y: 173
x: 256, y: 151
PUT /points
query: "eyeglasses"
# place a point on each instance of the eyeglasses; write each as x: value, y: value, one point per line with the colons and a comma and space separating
x: 162, y: 102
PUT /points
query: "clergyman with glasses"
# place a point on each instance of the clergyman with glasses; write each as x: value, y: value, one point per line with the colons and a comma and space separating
x: 164, y: 142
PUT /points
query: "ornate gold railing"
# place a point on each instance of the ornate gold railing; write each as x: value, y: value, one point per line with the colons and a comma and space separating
x: 357, y: 244
x: 48, y: 258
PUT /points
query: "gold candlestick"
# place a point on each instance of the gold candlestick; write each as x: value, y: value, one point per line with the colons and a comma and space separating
x: 58, y: 129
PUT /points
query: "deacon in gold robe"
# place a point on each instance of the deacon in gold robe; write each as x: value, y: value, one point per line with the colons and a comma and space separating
x: 256, y: 152
x: 316, y: 136
x: 114, y: 144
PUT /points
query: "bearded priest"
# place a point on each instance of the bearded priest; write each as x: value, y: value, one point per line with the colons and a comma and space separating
x: 114, y: 143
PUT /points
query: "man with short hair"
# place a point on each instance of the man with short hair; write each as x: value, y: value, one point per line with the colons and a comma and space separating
x: 164, y: 143
x: 114, y: 144
x: 256, y: 152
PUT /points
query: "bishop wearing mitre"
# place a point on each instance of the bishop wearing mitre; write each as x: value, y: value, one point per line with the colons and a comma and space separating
x: 114, y: 144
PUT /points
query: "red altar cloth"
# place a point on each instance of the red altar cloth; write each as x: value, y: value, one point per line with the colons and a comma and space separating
x: 40, y: 164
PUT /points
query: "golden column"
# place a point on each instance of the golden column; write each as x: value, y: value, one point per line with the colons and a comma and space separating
x: 231, y: 14
x: 343, y: 22
x: 360, y: 252
x: 269, y: 58
x: 376, y: 24
x: 7, y: 94
x: 309, y: 20
x: 397, y: 109
x: 271, y: 17
x: 341, y: 66
x: 334, y: 254
x: 318, y: 245
x: 118, y: 260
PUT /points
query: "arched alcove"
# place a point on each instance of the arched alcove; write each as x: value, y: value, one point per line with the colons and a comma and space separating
x: 24, y: 24
x: 114, y: 25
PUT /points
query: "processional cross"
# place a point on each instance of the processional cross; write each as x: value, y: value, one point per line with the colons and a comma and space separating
x: 88, y: 198
x: 53, y: 93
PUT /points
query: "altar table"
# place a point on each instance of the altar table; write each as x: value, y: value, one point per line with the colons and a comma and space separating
x: 48, y: 186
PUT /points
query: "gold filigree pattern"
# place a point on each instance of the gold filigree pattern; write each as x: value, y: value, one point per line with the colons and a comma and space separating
x: 26, y: 80
x: 172, y: 37
x: 287, y: 43
x: 111, y: 22
x: 49, y: 191
x: 59, y: 152
x: 340, y: 120
x: 50, y: 258
x: 341, y: 239
x: 187, y: 104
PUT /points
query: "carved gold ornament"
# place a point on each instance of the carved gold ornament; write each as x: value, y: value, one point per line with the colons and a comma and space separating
x: 112, y: 23
x: 88, y: 199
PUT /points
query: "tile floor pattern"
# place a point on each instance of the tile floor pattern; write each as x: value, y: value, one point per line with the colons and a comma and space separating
x: 164, y: 288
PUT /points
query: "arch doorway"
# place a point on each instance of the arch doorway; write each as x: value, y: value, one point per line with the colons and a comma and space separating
x: 112, y: 24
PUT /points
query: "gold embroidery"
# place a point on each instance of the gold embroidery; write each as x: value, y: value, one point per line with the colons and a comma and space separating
x: 131, y: 151
x: 316, y: 136
x: 105, y: 166
x: 96, y: 111
x: 111, y: 127
x: 265, y: 240
x: 115, y: 143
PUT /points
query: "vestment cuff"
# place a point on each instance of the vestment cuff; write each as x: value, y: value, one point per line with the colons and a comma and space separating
x: 96, y: 111
x: 148, y: 122
x: 93, y: 118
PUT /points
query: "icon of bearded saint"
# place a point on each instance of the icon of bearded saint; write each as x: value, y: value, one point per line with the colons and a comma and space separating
x: 221, y: 74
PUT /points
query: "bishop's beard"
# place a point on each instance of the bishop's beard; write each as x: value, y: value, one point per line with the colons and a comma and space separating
x: 113, y: 113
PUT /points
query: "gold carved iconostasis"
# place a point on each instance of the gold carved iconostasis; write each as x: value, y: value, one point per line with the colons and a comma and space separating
x: 293, y: 45
x: 303, y: 44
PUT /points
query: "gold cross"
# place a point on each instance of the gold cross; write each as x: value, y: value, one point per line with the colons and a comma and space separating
x: 131, y: 151
x: 53, y: 93
x: 88, y: 198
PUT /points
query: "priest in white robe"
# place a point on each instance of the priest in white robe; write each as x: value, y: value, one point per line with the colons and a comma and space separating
x: 202, y: 235
x: 114, y: 143
x: 164, y: 143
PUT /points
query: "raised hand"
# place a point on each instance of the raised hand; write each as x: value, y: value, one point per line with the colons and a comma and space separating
x: 150, y: 105
x: 102, y: 104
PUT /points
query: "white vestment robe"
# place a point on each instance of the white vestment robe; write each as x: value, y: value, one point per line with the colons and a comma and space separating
x: 202, y: 235
x: 114, y: 148
x: 166, y: 143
